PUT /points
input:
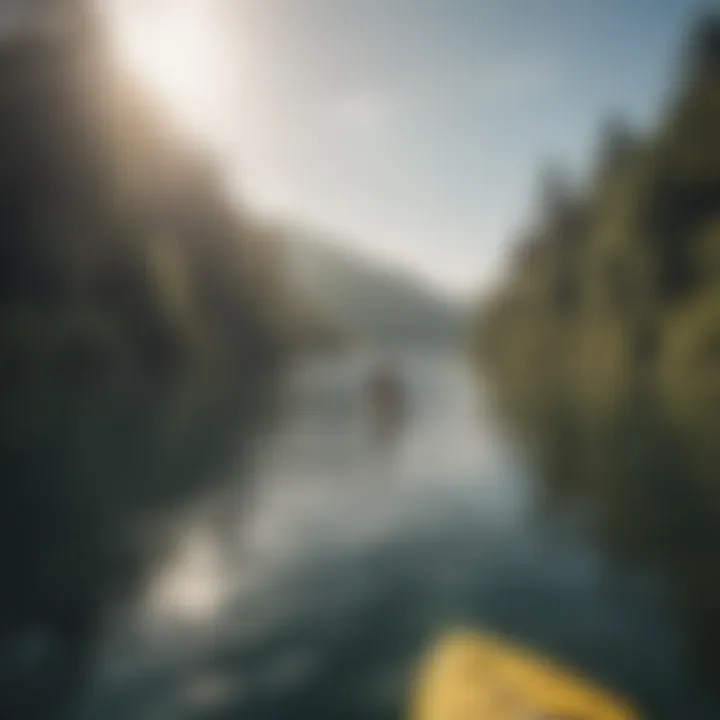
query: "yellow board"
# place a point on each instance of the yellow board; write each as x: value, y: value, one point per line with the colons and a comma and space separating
x: 473, y: 676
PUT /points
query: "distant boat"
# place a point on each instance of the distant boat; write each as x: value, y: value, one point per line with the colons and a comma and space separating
x: 386, y: 403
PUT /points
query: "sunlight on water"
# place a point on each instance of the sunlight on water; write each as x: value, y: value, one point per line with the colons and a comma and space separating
x: 346, y: 553
x: 192, y: 587
x: 323, y: 489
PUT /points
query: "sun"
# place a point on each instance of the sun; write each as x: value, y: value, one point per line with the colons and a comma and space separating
x: 176, y: 47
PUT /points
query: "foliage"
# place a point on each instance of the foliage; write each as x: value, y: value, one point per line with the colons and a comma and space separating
x: 140, y: 323
x: 603, y: 344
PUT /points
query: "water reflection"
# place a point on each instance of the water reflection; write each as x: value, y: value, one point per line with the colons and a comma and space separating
x: 343, y: 574
x: 192, y: 587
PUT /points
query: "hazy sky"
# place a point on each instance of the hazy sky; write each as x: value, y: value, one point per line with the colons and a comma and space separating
x: 414, y: 128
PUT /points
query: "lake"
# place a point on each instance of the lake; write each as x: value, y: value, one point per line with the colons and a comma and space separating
x: 314, y: 593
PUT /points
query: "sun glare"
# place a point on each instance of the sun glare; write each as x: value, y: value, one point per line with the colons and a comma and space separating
x: 176, y: 46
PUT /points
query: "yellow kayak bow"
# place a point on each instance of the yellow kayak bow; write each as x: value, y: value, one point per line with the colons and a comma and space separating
x: 473, y: 676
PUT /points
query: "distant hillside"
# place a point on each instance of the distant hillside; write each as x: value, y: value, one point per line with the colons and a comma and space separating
x: 361, y: 296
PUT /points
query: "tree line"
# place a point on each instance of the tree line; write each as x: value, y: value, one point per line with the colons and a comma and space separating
x: 602, y: 343
x: 142, y: 320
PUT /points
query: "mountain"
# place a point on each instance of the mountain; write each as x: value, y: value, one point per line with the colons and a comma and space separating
x: 362, y: 296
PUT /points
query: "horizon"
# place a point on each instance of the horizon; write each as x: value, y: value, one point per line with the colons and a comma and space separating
x: 412, y: 131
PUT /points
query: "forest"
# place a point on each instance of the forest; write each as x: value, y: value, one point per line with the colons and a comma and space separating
x: 602, y: 344
x: 142, y: 319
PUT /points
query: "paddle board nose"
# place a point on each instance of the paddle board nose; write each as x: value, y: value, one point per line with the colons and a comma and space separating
x: 473, y: 676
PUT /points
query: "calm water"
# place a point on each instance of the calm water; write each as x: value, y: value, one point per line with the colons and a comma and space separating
x: 316, y: 600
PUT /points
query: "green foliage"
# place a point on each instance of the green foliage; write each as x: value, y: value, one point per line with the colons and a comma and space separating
x: 141, y: 320
x: 617, y: 388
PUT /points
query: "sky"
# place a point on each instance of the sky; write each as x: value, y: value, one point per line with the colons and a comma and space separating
x: 415, y: 130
